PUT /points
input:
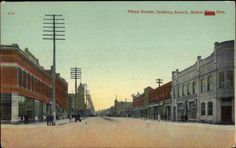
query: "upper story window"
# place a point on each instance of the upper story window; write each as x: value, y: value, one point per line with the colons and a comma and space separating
x: 202, y: 85
x: 179, y: 91
x: 173, y: 93
x: 188, y: 89
x: 230, y: 79
x: 194, y: 87
x: 20, y: 77
x: 24, y: 79
x: 221, y: 79
x: 183, y: 94
x: 210, y: 83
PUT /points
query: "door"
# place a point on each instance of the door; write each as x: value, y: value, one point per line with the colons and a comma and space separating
x: 226, y: 114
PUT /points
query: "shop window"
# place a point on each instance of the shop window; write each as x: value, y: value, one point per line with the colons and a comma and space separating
x: 203, y: 109
x: 210, y: 108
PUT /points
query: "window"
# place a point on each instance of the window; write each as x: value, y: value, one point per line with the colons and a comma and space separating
x: 210, y: 108
x: 31, y: 82
x: 194, y: 87
x: 174, y: 93
x: 179, y: 92
x: 183, y: 91
x: 221, y: 79
x: 202, y: 85
x: 24, y: 79
x: 188, y: 89
x: 230, y: 79
x: 210, y: 83
x: 28, y: 81
x: 203, y: 110
x: 19, y: 77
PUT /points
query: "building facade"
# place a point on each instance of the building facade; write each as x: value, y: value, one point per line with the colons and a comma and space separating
x: 26, y: 86
x: 204, y: 92
x: 122, y: 108
x: 138, y: 105
x: 160, y: 102
x: 153, y: 103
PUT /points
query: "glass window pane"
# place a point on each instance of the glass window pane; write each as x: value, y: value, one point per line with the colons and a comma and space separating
x: 221, y: 79
x: 203, y: 109
x: 230, y: 79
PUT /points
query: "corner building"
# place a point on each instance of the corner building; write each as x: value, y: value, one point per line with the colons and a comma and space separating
x: 204, y: 92
x: 26, y: 86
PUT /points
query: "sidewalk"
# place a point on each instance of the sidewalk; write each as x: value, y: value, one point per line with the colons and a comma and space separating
x: 42, y: 124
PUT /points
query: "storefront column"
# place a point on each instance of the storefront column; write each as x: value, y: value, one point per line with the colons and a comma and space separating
x: 15, y: 108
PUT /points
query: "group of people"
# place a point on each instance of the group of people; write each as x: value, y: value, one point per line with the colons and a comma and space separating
x: 77, y: 117
x: 49, y: 119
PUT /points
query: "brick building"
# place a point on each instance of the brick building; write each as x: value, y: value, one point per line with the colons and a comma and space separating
x: 160, y: 102
x: 26, y: 86
x: 153, y: 103
x: 138, y: 105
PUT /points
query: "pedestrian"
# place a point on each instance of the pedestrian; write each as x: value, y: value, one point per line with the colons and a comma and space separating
x: 79, y: 117
x: 182, y: 118
x: 44, y: 118
x: 25, y: 120
x: 52, y: 117
x: 70, y: 117
x: 48, y: 120
x: 76, y: 117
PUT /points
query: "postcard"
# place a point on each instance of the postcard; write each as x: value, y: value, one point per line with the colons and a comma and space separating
x: 118, y: 74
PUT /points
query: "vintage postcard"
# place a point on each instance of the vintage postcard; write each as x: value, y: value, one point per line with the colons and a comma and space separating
x: 118, y: 74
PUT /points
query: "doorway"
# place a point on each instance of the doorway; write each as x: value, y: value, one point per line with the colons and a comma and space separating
x: 226, y: 114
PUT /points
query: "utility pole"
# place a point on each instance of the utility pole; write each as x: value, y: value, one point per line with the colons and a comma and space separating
x: 50, y: 33
x: 159, y: 81
x: 75, y: 73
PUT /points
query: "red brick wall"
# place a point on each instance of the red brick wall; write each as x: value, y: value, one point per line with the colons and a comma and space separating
x: 161, y: 93
x: 61, y: 93
x: 138, y: 102
x: 8, y: 77
x: 35, y: 83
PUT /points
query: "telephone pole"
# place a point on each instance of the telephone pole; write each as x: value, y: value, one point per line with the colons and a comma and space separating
x: 51, y: 30
x: 159, y: 81
x: 75, y: 73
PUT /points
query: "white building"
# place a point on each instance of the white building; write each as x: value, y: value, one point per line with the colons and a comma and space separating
x: 204, y: 92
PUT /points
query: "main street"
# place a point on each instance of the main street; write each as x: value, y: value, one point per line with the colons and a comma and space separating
x: 117, y: 132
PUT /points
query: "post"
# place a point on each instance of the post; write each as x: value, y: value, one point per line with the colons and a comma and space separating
x: 76, y: 94
x: 160, y: 108
x: 234, y: 97
x: 51, y: 35
x: 54, y: 75
x: 75, y: 73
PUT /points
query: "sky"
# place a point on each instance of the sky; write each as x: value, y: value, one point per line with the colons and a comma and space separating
x: 120, y: 52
